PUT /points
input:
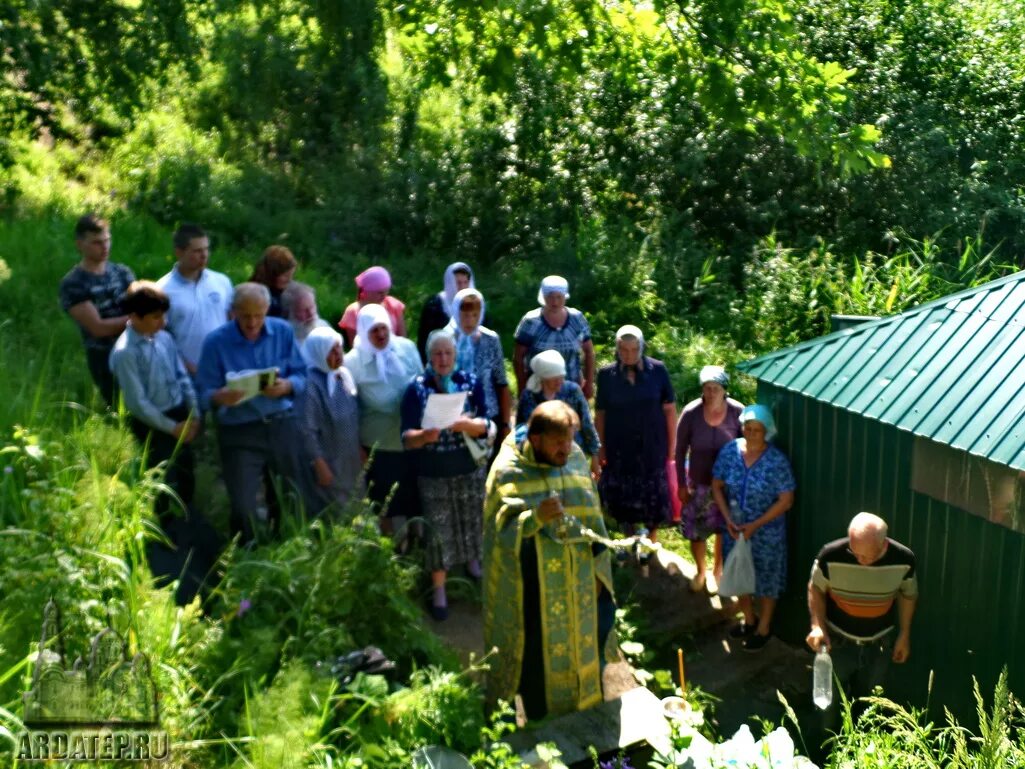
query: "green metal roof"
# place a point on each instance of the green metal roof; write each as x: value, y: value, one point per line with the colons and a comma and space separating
x: 952, y: 370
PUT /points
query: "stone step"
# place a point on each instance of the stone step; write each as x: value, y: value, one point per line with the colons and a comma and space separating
x: 745, y: 683
x: 630, y: 719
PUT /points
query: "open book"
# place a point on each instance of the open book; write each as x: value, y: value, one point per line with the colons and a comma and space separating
x: 250, y: 381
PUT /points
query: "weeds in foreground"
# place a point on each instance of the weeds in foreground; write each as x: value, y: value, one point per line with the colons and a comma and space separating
x: 888, y: 734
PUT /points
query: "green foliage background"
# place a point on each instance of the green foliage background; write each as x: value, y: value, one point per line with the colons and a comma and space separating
x: 615, y: 142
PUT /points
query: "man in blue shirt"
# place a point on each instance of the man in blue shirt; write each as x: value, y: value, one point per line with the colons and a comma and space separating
x: 200, y: 297
x: 164, y: 416
x: 157, y: 391
x: 256, y: 429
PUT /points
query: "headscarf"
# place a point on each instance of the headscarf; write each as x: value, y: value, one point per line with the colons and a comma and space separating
x: 635, y: 332
x: 464, y: 342
x: 545, y: 365
x: 449, y: 294
x: 551, y: 284
x: 387, y: 360
x: 756, y: 412
x: 374, y: 279
x: 439, y: 335
x: 715, y: 374
x: 318, y: 345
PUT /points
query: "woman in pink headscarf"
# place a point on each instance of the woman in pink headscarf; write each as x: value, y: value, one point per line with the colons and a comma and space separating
x: 373, y: 285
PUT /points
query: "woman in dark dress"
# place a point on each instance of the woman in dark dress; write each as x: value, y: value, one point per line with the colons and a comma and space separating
x: 330, y: 418
x: 635, y: 413
x: 437, y: 312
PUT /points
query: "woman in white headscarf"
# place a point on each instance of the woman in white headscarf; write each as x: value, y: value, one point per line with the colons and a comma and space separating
x: 548, y: 382
x: 635, y: 412
x: 479, y: 349
x: 438, y: 310
x: 382, y: 364
x: 554, y: 326
x: 330, y: 418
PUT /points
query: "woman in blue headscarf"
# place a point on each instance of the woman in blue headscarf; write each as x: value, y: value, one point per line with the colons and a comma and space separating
x: 753, y: 486
x: 479, y: 349
x: 449, y: 478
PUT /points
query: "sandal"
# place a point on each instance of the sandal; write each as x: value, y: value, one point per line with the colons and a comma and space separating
x: 697, y: 583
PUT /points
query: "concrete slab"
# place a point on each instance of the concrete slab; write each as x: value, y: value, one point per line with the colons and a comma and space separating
x: 628, y: 720
x: 744, y: 683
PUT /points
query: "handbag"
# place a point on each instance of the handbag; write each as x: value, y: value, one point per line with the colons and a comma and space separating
x: 738, y: 573
x: 480, y: 448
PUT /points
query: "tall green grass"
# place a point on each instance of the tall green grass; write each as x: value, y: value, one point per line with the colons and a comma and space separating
x: 238, y: 686
x: 894, y: 736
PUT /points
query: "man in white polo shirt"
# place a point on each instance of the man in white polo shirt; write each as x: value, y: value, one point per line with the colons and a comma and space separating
x: 200, y: 298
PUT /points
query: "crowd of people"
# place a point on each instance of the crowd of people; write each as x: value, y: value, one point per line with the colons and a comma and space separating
x: 307, y: 416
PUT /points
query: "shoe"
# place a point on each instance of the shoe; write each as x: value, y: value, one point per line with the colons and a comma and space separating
x: 756, y: 642
x: 743, y: 630
x: 697, y: 583
x: 439, y: 613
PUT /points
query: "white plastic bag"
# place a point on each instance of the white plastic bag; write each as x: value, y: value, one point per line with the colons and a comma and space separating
x: 738, y: 574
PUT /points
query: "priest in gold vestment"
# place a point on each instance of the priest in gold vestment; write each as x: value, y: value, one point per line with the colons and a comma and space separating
x: 548, y: 604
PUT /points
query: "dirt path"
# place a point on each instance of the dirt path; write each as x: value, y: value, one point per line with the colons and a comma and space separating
x: 464, y: 632
x: 744, y: 683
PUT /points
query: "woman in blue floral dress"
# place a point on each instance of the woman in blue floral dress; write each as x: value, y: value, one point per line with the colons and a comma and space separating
x: 753, y: 485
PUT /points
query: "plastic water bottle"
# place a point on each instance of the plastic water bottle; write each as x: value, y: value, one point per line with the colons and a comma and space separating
x: 561, y: 528
x: 734, y: 511
x: 639, y: 533
x: 822, y: 686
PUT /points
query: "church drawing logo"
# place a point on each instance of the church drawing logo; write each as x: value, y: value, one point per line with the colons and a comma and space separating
x: 102, y: 708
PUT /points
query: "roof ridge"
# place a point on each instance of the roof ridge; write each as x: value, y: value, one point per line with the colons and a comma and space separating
x: 871, y: 325
x: 951, y: 369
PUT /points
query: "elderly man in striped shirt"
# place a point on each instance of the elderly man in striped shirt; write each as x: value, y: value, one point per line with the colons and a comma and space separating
x: 861, y: 588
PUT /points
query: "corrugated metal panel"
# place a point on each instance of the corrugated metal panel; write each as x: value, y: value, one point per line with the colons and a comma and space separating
x: 952, y: 370
x: 845, y: 463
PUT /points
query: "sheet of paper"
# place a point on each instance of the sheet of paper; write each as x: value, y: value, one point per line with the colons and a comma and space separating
x: 443, y: 409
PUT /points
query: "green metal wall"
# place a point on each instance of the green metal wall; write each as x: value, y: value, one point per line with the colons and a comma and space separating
x: 971, y: 612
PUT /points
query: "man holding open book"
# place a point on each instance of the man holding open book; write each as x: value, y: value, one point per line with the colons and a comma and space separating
x: 250, y: 371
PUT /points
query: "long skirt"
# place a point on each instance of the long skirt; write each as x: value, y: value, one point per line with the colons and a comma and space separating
x: 635, y: 495
x: 700, y: 517
x: 454, y: 511
x: 392, y: 473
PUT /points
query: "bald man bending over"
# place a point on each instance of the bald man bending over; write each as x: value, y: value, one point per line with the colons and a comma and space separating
x: 857, y: 585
